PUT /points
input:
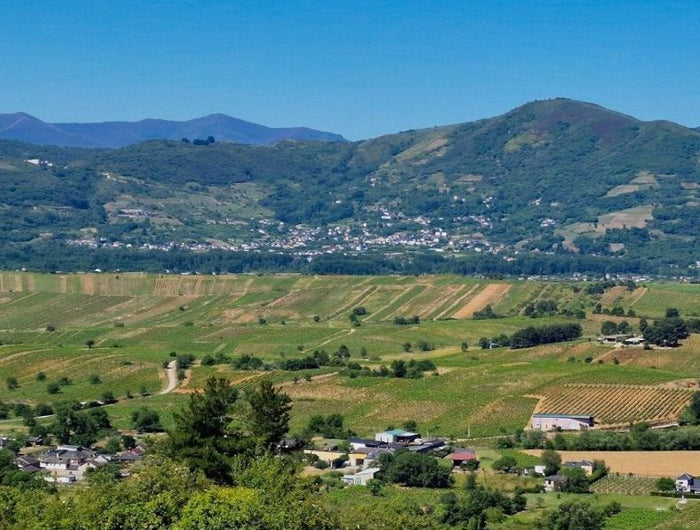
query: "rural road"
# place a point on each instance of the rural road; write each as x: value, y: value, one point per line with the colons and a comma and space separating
x: 171, y: 373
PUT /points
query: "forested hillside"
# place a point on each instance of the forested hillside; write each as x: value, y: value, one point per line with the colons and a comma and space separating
x: 554, y: 186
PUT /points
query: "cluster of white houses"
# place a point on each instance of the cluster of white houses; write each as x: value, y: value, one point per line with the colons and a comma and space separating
x: 69, y: 463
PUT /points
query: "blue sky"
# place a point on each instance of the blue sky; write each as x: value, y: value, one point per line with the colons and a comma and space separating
x: 359, y: 68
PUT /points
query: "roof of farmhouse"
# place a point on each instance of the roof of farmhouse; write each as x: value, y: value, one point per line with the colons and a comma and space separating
x: 569, y: 416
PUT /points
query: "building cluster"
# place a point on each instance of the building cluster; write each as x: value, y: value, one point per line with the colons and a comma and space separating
x: 361, y: 460
x: 66, y: 464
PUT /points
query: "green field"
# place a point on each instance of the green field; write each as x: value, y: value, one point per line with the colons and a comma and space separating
x: 136, y: 321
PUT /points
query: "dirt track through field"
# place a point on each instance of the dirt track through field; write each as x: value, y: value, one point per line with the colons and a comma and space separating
x: 171, y: 374
x: 491, y: 294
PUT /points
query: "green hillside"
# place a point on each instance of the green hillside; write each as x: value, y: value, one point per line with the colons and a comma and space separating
x: 554, y: 186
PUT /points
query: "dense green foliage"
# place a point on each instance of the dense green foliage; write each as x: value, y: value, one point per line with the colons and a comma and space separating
x: 413, y: 470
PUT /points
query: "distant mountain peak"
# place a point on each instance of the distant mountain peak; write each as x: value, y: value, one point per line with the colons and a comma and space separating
x: 26, y: 128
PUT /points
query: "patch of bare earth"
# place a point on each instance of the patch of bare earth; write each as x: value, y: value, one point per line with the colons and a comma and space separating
x: 491, y: 294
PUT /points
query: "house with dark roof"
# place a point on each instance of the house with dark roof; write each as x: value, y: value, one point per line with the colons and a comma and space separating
x: 687, y: 483
x: 65, y: 457
x: 555, y: 482
x: 586, y: 465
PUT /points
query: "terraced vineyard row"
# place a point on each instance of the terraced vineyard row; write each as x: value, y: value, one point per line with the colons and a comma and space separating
x: 611, y: 404
x: 625, y: 484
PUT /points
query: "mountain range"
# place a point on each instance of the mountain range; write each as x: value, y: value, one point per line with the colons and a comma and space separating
x: 25, y: 128
x: 544, y: 185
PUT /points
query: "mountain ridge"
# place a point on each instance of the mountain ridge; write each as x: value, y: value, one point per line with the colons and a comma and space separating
x: 554, y: 177
x: 24, y: 127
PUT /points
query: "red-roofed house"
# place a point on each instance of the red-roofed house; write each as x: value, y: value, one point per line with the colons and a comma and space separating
x: 460, y: 456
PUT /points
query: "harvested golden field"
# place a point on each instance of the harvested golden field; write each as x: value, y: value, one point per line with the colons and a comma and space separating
x: 614, y: 404
x: 490, y: 295
x: 645, y: 463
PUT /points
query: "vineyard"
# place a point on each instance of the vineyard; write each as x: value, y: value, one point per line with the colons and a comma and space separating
x: 615, y: 404
x: 625, y: 484
x: 138, y: 321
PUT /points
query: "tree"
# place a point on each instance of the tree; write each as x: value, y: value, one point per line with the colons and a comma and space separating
x: 506, y: 464
x: 693, y: 410
x: 577, y: 481
x: 268, y: 418
x: 12, y: 383
x: 666, y: 332
x: 608, y: 328
x: 574, y: 515
x: 128, y: 441
x: 413, y: 470
x: 90, y: 343
x: 624, y: 327
x: 551, y: 460
x: 398, y: 368
x: 665, y: 484
x: 203, y: 436
x: 410, y: 425
x: 146, y: 420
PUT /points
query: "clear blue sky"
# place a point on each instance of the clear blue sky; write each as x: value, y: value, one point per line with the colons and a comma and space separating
x: 359, y: 68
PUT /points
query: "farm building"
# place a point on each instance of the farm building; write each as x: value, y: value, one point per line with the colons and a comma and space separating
x: 687, y: 483
x: 613, y: 339
x: 586, y: 465
x: 461, y: 456
x: 633, y: 341
x: 561, y: 422
x: 360, y: 478
x: 555, y: 482
x: 396, y: 436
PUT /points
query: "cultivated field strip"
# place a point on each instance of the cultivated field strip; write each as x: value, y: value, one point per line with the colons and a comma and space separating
x: 489, y: 295
x: 452, y: 305
x: 615, y: 404
x: 625, y: 484
x: 613, y: 295
x: 685, y: 298
x: 396, y: 302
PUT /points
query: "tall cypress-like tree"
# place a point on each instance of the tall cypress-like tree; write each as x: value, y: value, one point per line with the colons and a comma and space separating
x: 268, y: 419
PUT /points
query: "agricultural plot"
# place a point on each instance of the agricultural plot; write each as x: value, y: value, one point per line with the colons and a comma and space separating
x: 625, y: 484
x: 615, y: 404
x: 687, y: 518
x: 119, y: 371
x: 138, y: 320
x: 654, y: 301
x: 639, y: 463
x: 492, y: 294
